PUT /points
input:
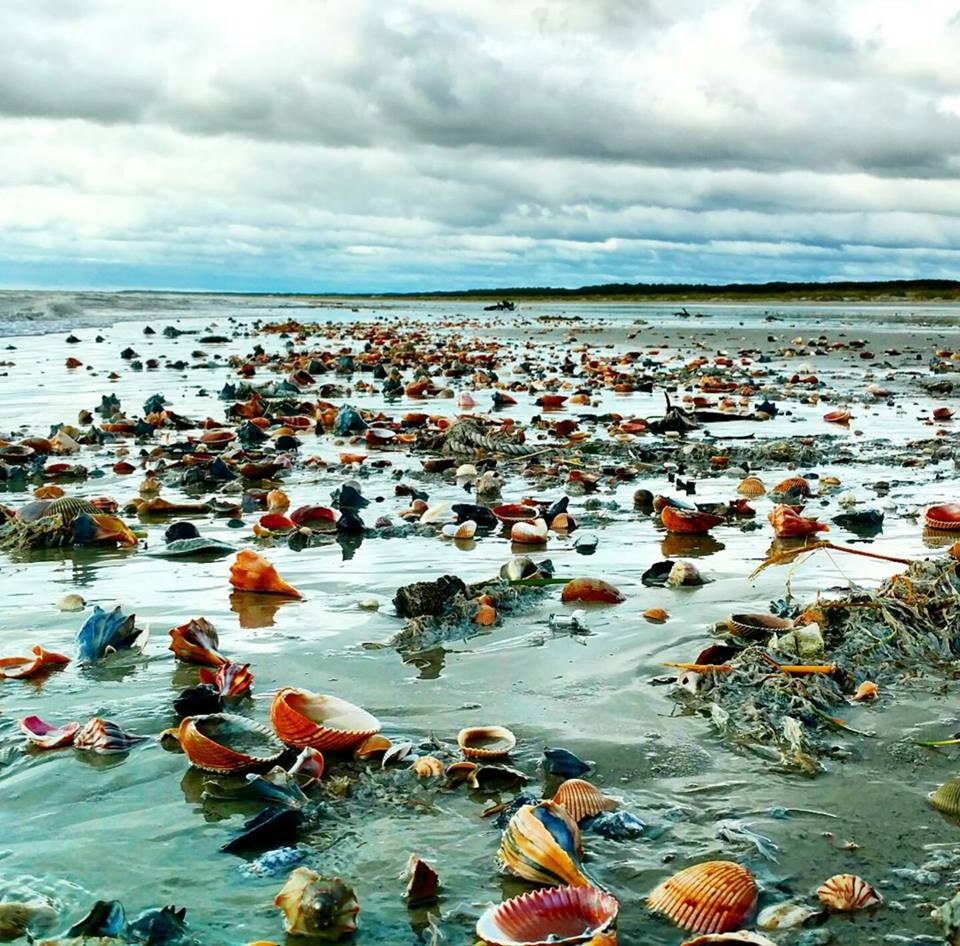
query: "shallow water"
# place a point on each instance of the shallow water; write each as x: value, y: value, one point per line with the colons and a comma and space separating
x: 134, y: 828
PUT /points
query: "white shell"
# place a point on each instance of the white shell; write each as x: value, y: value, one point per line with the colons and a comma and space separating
x: 466, y: 471
x: 71, y: 603
x: 466, y: 530
x: 785, y: 916
x: 529, y: 533
x: 436, y: 513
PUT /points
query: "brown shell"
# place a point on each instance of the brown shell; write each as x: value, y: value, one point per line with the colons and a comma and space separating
x: 422, y: 882
x: 757, y: 626
x: 486, y: 742
x: 515, y: 512
x: 582, y: 800
x: 751, y: 486
x: 945, y: 517
x: 104, y: 735
x: 301, y: 718
x: 712, y: 897
x: 591, y: 589
x: 196, y: 642
x: 372, y: 747
x: 533, y: 532
x: 793, y: 484
x: 208, y: 754
x: 847, y: 892
x: 688, y: 521
x: 541, y: 843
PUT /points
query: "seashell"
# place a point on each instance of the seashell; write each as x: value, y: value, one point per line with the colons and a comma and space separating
x: 276, y: 786
x: 105, y: 736
x: 656, y: 615
x: 711, y: 897
x: 18, y: 918
x: 224, y: 743
x: 847, y: 892
x: 459, y: 772
x: 757, y: 626
x: 379, y: 436
x: 837, y: 417
x: 274, y: 522
x: 89, y: 529
x: 561, y: 915
x: 428, y: 767
x: 688, y: 522
x: 486, y: 742
x: 541, y: 843
x: 309, y: 763
x: 529, y: 533
x: 317, y: 906
x: 564, y: 763
x: 422, y: 882
x: 372, y: 747
x: 313, y: 516
x: 942, y: 413
x: 796, y: 485
x: 435, y: 513
x: 230, y: 680
x: 396, y: 753
x: 301, y: 718
x: 684, y: 574
x: 41, y: 661
x: 866, y: 692
x: 510, y: 513
x: 785, y: 915
x: 591, y: 589
x: 271, y: 828
x: 196, y: 642
x: 751, y: 486
x: 466, y: 471
x: 71, y: 603
x: 947, y: 798
x: 518, y: 568
x: 252, y: 572
x: 582, y: 800
x: 739, y: 938
x: 945, y: 517
x: 463, y: 531
x: 105, y: 632
x: 786, y: 523
x: 46, y: 736
x: 277, y: 501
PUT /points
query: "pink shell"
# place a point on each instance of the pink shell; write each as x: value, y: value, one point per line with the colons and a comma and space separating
x: 46, y: 736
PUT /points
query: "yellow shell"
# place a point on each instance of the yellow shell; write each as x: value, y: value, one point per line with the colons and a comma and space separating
x: 428, y: 767
x: 582, y: 800
x: 847, y: 892
x: 712, y: 897
x: 751, y: 486
x: 541, y: 844
x: 947, y: 797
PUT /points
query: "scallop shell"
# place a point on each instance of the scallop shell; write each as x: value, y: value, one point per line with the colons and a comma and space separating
x: 486, y: 742
x: 317, y: 906
x: 591, y: 589
x: 104, y: 735
x: 947, y: 797
x: 847, y: 892
x: 751, y: 486
x: 740, y: 938
x: 557, y: 915
x: 541, y: 843
x: 252, y: 572
x: 757, y: 626
x: 945, y: 517
x: 301, y: 718
x: 711, y: 897
x: 582, y: 800
x: 422, y: 882
x: 196, y: 642
x: 45, y: 736
x: 688, y: 522
x: 224, y: 742
x: 529, y: 533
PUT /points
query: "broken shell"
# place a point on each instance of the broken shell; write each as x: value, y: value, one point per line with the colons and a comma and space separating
x: 486, y: 742
x: 786, y: 523
x: 41, y: 661
x: 224, y: 742
x: 301, y: 718
x: 751, y: 486
x: 591, y: 589
x: 541, y: 843
x: 104, y: 735
x: 46, y: 736
x: 422, y: 882
x: 252, y: 572
x: 866, y: 692
x: 196, y: 642
x: 529, y: 533
x: 739, y: 938
x: 561, y: 915
x: 317, y: 906
x: 945, y: 517
x: 712, y: 897
x: 785, y: 916
x: 688, y: 521
x: 428, y: 766
x: 582, y: 800
x: 847, y: 892
x: 684, y: 574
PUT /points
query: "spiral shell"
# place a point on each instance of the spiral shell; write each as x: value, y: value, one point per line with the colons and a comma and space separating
x: 230, y: 680
x: 301, y: 718
x: 427, y: 767
x: 486, y: 742
x: 558, y: 915
x: 688, y: 521
x: 317, y: 906
x: 541, y: 843
x: 847, y: 892
x: 711, y: 897
x: 104, y: 735
x: 582, y: 800
x: 945, y: 517
x: 196, y: 642
x: 252, y: 572
x: 224, y: 743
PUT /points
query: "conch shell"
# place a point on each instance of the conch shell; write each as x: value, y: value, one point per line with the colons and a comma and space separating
x: 230, y: 680
x: 19, y: 668
x: 252, y: 572
x: 196, y: 642
x: 317, y: 906
x: 105, y: 736
x: 541, y: 843
x: 786, y: 523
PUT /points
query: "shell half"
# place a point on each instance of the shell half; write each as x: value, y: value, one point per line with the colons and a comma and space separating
x: 712, y: 897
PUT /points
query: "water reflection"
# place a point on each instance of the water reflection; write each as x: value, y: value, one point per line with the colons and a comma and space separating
x: 675, y: 545
x: 257, y: 610
x: 429, y: 663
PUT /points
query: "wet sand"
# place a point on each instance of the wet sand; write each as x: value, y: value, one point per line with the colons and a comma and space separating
x: 134, y: 827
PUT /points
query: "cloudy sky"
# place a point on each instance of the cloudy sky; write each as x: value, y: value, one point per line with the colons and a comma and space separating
x: 375, y: 145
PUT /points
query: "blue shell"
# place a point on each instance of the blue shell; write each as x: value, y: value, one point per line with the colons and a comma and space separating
x: 564, y: 763
x: 348, y: 421
x: 106, y: 918
x: 273, y: 862
x: 105, y: 631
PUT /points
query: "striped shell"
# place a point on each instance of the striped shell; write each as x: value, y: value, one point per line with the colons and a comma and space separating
x: 486, y: 742
x: 196, y: 642
x: 945, y: 517
x: 751, y: 486
x: 541, y: 843
x: 231, y: 680
x: 301, y: 718
x: 104, y: 735
x: 712, y: 897
x: 427, y: 766
x: 793, y: 484
x: 688, y: 521
x: 756, y: 626
x: 69, y: 508
x: 740, y: 938
x: 947, y: 797
x: 847, y: 892
x: 224, y: 743
x: 315, y: 906
x: 559, y: 915
x: 582, y: 800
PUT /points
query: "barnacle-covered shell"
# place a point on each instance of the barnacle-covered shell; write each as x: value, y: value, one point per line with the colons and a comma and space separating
x: 104, y: 735
x: 591, y: 589
x: 541, y: 843
x: 422, y: 882
x: 45, y: 736
x: 301, y: 718
x: 945, y: 517
x: 711, y: 897
x: 688, y: 521
x: 582, y: 800
x: 252, y: 572
x: 556, y: 915
x: 787, y: 523
x: 847, y: 892
x: 751, y: 486
x: 230, y: 680
x: 317, y: 906
x: 486, y: 742
x: 196, y: 642
x: 224, y: 742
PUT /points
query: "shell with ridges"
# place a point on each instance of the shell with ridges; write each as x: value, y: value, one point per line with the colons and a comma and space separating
x: 582, y: 800
x: 221, y: 742
x: 751, y: 486
x: 847, y: 892
x: 104, y: 735
x: 711, y: 897
x: 945, y: 517
x: 486, y: 742
x: 427, y: 767
x: 947, y: 797
x: 231, y: 680
x: 541, y: 843
x: 301, y: 718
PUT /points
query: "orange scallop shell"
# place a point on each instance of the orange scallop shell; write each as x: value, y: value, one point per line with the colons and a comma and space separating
x: 486, y: 742
x: 301, y: 718
x: 252, y: 572
x: 688, y: 521
x: 212, y: 756
x: 945, y: 517
x: 712, y: 897
x: 795, y: 484
x: 786, y: 523
x: 847, y: 892
x: 582, y: 800
x: 591, y: 589
x: 751, y: 486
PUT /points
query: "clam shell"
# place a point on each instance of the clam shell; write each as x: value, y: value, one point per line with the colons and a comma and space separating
x: 301, y: 718
x: 688, y: 522
x: 756, y: 626
x: 224, y: 742
x: 486, y: 742
x: 751, y: 486
x: 793, y: 484
x: 582, y: 800
x: 712, y: 897
x: 372, y: 747
x: 465, y: 530
x: 847, y: 892
x: 945, y: 517
x: 529, y: 533
x: 947, y: 797
x: 591, y: 589
x: 541, y: 843
x: 558, y: 915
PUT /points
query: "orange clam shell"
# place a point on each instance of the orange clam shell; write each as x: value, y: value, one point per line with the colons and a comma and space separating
x: 301, y: 718
x: 796, y: 484
x: 945, y: 517
x: 591, y: 589
x: 206, y: 753
x: 688, y: 522
x: 582, y: 800
x: 486, y: 742
x: 711, y: 897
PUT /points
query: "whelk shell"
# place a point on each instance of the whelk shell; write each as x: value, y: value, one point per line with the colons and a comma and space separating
x: 541, y: 843
x: 688, y: 522
x: 301, y: 718
x: 230, y: 680
x: 104, y: 735
x: 224, y: 742
x: 847, y: 892
x: 557, y: 915
x: 582, y: 800
x: 317, y: 906
x: 712, y: 897
x: 486, y: 742
x: 252, y: 572
x: 196, y: 642
x: 786, y: 523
